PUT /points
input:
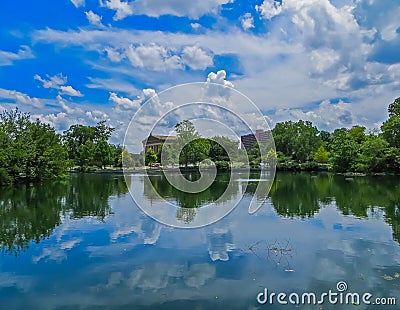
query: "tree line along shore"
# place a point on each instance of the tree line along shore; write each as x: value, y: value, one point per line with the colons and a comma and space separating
x: 34, y: 151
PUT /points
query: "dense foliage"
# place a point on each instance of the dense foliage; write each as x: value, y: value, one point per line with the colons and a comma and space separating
x: 298, y: 146
x: 33, y: 151
x: 88, y: 145
x: 301, y: 146
x: 30, y: 150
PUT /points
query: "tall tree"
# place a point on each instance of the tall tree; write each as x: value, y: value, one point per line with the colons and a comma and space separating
x: 150, y: 157
x: 300, y: 140
x: 193, y: 148
x: 30, y: 149
x: 394, y: 108
x: 88, y: 145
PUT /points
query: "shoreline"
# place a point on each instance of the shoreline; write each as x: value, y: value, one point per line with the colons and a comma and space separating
x: 235, y: 169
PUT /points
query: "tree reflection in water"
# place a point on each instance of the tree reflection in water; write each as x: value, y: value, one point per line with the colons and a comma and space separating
x: 31, y: 212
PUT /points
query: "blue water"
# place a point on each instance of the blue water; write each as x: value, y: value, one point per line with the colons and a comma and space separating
x: 125, y: 260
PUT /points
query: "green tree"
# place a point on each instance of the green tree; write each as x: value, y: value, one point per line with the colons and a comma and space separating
x: 30, y: 149
x: 169, y: 154
x: 299, y: 140
x: 357, y: 133
x: 322, y: 155
x: 104, y: 154
x: 372, y: 155
x: 126, y: 159
x: 221, y: 147
x: 394, y: 108
x: 344, y: 150
x: 88, y: 145
x: 193, y: 148
x: 195, y: 151
x: 391, y: 131
x: 392, y: 159
x: 85, y: 154
x: 151, y: 157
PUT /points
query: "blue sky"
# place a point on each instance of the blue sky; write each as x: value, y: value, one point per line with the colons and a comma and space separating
x: 336, y: 63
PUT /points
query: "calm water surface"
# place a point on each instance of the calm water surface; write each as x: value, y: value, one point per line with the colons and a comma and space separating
x: 82, y: 243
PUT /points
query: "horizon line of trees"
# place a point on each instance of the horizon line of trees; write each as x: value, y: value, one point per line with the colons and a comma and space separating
x: 301, y: 146
x: 298, y: 146
x: 34, y: 151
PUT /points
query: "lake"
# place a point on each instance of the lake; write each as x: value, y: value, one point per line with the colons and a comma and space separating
x: 83, y: 243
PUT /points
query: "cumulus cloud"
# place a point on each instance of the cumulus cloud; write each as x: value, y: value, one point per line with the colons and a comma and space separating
x: 122, y: 9
x: 219, y: 78
x: 191, y: 9
x: 58, y: 82
x: 125, y: 103
x: 78, y: 3
x: 114, y: 55
x: 156, y: 57
x: 93, y: 18
x: 8, y: 58
x: 16, y: 97
x: 196, y: 58
x: 317, y: 49
x: 152, y: 57
x: 326, y: 116
x: 23, y: 99
x: 195, y: 25
x: 247, y: 21
x: 270, y: 8
x: 54, y: 81
x: 70, y: 91
x: 217, y: 93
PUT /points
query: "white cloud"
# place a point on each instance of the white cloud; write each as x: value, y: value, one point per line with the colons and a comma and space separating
x: 25, y: 99
x: 195, y: 25
x: 93, y: 18
x: 112, y: 84
x: 70, y: 91
x: 380, y: 15
x: 114, y: 55
x: 97, y: 116
x: 18, y: 98
x: 63, y: 103
x: 152, y: 57
x: 326, y: 115
x: 125, y: 103
x: 8, y: 58
x: 58, y: 82
x: 78, y: 3
x: 54, y: 81
x: 196, y: 58
x: 247, y: 21
x: 270, y: 8
x: 122, y: 9
x: 324, y: 59
x: 191, y: 9
x: 219, y: 78
x: 217, y: 93
x: 315, y: 50
x: 156, y: 57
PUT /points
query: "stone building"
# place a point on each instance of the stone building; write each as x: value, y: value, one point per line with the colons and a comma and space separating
x: 156, y: 142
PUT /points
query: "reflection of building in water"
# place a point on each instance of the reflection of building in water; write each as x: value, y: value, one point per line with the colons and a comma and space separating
x: 156, y: 142
x: 262, y: 136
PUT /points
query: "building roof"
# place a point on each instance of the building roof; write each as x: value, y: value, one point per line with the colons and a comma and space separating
x: 159, y: 139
